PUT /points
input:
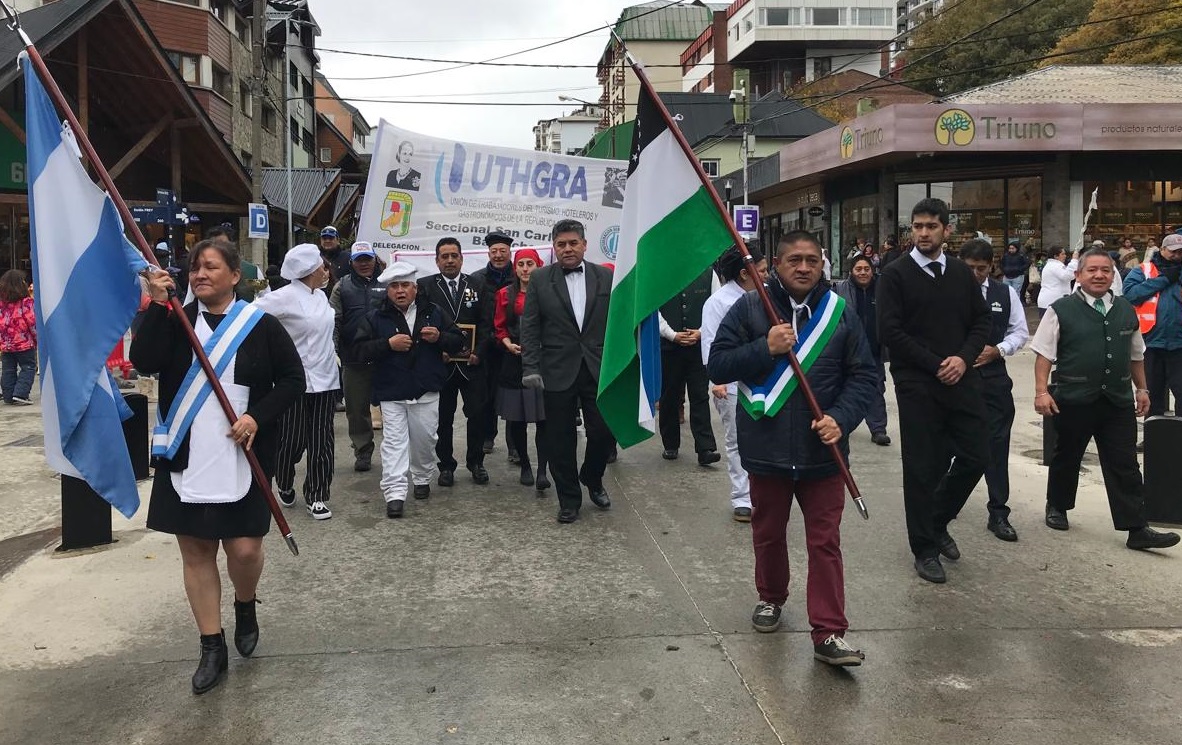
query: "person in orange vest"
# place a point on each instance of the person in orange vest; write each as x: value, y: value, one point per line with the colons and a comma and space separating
x: 1153, y: 289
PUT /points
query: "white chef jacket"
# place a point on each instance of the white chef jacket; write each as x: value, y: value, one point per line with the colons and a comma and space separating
x: 309, y: 321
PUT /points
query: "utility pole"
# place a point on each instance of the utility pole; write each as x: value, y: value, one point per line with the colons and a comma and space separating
x: 258, y: 39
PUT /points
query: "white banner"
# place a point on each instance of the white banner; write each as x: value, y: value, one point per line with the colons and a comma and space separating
x: 424, y: 188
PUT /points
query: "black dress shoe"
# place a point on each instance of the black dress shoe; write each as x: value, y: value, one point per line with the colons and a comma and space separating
x: 1056, y: 519
x: 1147, y: 537
x: 479, y: 474
x: 246, y: 627
x: 948, y: 547
x: 880, y: 438
x: 669, y: 454
x: 1001, y: 528
x: 527, y: 475
x: 213, y: 663
x: 600, y: 498
x: 742, y: 514
x: 541, y: 483
x: 447, y: 478
x: 363, y: 463
x: 567, y: 515
x: 422, y: 491
x: 708, y: 457
x: 394, y: 508
x: 931, y: 569
x: 488, y: 446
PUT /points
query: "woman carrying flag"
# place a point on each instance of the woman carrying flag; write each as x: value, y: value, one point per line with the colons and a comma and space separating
x: 203, y: 491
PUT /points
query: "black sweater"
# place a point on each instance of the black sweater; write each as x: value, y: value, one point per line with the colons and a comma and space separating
x: 922, y: 320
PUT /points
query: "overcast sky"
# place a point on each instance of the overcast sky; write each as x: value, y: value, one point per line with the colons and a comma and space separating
x: 464, y: 30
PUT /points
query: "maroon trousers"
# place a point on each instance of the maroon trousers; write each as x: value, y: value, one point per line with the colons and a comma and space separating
x: 821, y: 503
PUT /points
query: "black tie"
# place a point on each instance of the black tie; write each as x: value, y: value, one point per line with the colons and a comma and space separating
x: 454, y: 289
x: 936, y: 268
x: 577, y: 270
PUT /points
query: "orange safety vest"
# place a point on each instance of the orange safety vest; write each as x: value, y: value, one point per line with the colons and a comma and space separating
x: 1147, y: 311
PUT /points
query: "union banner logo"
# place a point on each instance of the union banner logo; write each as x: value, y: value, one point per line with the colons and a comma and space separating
x: 955, y: 127
x: 847, y: 143
x: 396, y: 213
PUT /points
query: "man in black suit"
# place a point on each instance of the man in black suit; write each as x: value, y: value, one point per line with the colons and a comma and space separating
x: 935, y: 322
x: 466, y: 304
x: 562, y: 333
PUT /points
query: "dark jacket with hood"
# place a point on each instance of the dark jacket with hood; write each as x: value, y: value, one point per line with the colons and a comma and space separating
x: 844, y: 378
x: 405, y: 376
x: 866, y: 307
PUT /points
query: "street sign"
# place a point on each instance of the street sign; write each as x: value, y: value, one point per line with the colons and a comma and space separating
x: 260, y: 221
x: 747, y: 220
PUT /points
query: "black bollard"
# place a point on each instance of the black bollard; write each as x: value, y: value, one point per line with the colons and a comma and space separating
x: 86, y: 517
x: 1163, y: 501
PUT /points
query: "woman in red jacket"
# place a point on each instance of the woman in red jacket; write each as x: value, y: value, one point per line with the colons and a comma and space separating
x: 519, y: 406
x: 18, y: 339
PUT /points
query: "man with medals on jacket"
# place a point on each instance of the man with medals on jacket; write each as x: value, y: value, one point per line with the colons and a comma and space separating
x: 465, y: 304
x: 786, y: 453
x: 405, y: 338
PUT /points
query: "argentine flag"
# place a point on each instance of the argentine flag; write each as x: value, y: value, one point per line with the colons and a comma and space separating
x: 85, y: 294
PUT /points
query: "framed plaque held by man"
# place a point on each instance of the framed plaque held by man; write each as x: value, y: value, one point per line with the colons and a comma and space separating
x: 468, y: 330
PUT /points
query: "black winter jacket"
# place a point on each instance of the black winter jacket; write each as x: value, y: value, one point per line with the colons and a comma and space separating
x: 843, y: 378
x: 405, y: 376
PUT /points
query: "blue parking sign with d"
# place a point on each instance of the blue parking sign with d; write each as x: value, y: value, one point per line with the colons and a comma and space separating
x: 260, y: 221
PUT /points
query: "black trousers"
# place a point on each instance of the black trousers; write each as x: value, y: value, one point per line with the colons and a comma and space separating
x: 307, y: 426
x: 999, y: 408
x: 474, y: 389
x: 682, y: 371
x: 1163, y: 377
x: 939, y: 426
x: 562, y: 408
x: 492, y: 371
x: 1114, y: 428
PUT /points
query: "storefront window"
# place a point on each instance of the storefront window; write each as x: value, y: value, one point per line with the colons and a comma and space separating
x: 1025, y: 212
x: 998, y: 210
x: 14, y: 238
x: 908, y: 196
x: 1131, y: 209
x: 859, y: 220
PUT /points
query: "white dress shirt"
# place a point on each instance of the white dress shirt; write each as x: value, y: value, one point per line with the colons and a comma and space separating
x: 1017, y: 332
x: 714, y: 310
x: 309, y: 321
x: 925, y: 263
x: 1046, y: 339
x: 576, y: 285
x: 1056, y: 281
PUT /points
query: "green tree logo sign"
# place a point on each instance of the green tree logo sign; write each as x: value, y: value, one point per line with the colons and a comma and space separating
x: 955, y: 127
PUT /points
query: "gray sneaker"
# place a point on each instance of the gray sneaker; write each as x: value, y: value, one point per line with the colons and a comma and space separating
x: 835, y: 651
x: 766, y: 618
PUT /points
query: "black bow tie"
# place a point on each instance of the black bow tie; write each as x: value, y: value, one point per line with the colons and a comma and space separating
x: 577, y: 270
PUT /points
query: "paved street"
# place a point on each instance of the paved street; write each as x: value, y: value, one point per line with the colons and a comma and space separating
x: 478, y: 619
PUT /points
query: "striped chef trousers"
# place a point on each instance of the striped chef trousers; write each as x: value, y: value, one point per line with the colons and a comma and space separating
x: 308, y: 427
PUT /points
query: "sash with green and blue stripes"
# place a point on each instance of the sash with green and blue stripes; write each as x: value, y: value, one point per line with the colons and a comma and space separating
x: 766, y: 398
x: 221, y: 347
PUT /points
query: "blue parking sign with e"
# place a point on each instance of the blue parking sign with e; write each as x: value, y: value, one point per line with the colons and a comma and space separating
x: 260, y: 222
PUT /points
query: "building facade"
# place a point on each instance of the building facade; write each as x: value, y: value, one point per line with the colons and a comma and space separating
x: 567, y: 134
x: 705, y: 65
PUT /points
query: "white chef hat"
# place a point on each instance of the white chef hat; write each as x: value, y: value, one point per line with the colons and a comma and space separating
x: 300, y: 262
x: 399, y: 271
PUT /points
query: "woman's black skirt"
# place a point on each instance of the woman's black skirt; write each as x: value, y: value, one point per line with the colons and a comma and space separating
x: 248, y: 517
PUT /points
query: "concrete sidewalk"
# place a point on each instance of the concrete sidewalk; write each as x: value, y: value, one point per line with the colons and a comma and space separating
x: 478, y: 619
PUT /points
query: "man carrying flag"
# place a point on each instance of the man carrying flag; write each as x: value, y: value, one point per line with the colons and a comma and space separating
x: 786, y: 453
x: 86, y: 294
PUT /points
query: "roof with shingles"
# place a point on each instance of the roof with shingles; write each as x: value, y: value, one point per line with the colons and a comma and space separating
x: 308, y: 187
x: 671, y: 23
x: 1082, y: 84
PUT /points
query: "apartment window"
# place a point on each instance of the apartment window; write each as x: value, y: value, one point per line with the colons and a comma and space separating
x: 269, y: 119
x: 825, y: 16
x: 245, y: 158
x: 822, y: 66
x: 710, y: 166
x: 870, y: 17
x: 781, y: 17
x: 749, y: 21
x: 309, y: 142
x: 735, y: 31
x: 220, y: 10
x: 293, y: 128
x: 242, y: 28
x: 188, y: 65
x: 196, y: 3
x: 244, y: 101
x: 293, y: 74
x: 222, y: 83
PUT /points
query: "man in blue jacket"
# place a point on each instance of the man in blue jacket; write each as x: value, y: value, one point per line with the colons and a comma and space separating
x: 1153, y: 289
x: 784, y: 451
x: 405, y: 338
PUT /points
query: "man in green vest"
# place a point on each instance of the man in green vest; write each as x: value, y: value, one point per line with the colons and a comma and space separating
x: 1094, y: 339
x: 684, y: 375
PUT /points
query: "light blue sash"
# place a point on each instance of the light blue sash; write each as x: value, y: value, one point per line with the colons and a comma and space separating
x: 221, y: 347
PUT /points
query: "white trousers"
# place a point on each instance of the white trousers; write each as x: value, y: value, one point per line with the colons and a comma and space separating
x: 740, y: 488
x: 408, y: 444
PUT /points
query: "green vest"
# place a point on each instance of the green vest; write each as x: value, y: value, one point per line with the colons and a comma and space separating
x: 1093, y: 353
x: 684, y: 310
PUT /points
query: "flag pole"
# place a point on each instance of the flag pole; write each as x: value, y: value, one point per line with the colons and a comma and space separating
x: 142, y: 244
x: 773, y: 317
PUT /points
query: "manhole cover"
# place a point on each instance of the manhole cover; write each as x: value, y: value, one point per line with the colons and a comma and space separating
x: 32, y: 441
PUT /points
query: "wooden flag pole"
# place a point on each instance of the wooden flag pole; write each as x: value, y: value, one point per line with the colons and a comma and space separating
x: 142, y: 244
x: 803, y: 385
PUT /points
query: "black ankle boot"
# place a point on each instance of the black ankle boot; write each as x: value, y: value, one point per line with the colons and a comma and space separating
x: 527, y: 473
x: 213, y: 662
x: 246, y: 627
x: 541, y: 483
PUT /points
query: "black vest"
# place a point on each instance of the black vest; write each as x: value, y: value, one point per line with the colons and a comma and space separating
x: 997, y: 297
